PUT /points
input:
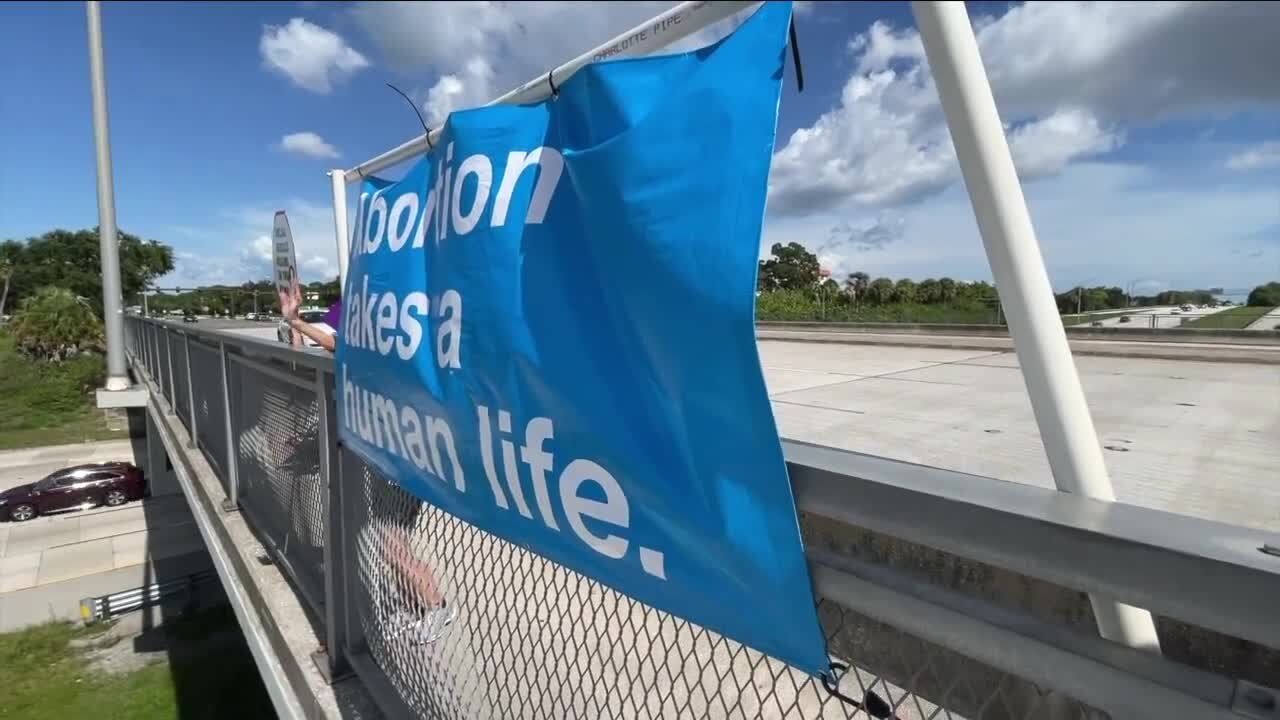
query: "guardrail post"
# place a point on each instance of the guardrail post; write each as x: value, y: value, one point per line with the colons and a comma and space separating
x: 331, y: 660
x: 193, y: 442
x: 232, y: 502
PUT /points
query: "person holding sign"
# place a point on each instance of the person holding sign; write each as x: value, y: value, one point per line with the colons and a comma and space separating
x: 290, y: 301
x: 425, y: 612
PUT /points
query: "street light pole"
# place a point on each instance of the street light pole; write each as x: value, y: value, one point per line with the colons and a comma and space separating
x: 117, y: 374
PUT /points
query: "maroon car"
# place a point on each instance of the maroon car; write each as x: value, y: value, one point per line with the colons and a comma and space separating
x: 74, y: 488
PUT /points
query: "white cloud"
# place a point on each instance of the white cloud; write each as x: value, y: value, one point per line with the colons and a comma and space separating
x: 242, y: 249
x: 308, y: 143
x: 479, y: 50
x: 1109, y: 221
x: 1044, y: 147
x: 1265, y: 155
x: 471, y: 87
x: 312, y: 57
x: 1069, y: 78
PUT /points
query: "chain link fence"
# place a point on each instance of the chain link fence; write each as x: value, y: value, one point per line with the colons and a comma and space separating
x: 277, y: 451
x: 521, y: 637
x: 211, y: 431
x: 462, y: 624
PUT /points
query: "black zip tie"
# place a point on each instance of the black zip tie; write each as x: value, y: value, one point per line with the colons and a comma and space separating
x: 425, y: 129
x: 795, y: 56
x: 871, y: 703
x: 555, y: 91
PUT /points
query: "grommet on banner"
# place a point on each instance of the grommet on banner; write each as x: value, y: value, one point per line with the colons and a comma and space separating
x: 551, y: 83
x: 871, y: 703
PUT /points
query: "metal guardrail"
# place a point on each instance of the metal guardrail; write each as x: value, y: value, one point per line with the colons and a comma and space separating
x: 948, y: 595
x: 105, y: 607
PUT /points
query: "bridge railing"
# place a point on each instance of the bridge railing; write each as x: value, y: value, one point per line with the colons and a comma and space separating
x: 946, y: 595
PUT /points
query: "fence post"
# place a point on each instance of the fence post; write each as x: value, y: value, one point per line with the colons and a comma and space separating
x: 231, y: 503
x: 144, y: 331
x: 144, y: 347
x: 193, y: 441
x: 168, y: 358
x: 331, y: 660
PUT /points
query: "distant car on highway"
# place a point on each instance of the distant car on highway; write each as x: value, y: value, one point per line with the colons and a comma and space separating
x: 74, y: 488
x: 251, y: 316
x: 1125, y: 319
x: 1187, y: 308
x: 190, y: 318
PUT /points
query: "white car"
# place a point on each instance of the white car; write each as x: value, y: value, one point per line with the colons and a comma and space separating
x: 312, y: 316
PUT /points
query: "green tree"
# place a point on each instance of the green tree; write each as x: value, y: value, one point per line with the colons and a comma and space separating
x: 1265, y: 295
x: 10, y: 257
x: 929, y: 292
x: 792, y: 267
x: 54, y: 324
x: 947, y: 290
x: 980, y: 290
x: 904, y: 291
x: 856, y: 285
x: 62, y: 258
x: 880, y: 291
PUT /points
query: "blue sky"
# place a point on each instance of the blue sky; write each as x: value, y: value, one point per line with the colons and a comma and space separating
x: 1148, y: 135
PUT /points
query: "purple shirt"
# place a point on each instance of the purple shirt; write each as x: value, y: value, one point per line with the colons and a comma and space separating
x: 334, y: 316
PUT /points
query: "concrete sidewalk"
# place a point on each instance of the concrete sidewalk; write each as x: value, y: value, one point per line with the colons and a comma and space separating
x: 48, y: 564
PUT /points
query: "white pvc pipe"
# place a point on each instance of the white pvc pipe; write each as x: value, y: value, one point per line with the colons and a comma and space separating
x: 675, y: 24
x: 1057, y: 398
x: 338, y: 181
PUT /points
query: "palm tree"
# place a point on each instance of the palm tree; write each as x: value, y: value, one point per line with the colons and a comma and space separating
x: 928, y: 292
x: 880, y: 291
x: 904, y: 291
x: 9, y: 252
x: 947, y: 290
x: 856, y: 285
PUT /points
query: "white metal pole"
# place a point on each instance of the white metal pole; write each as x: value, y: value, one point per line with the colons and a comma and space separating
x: 658, y: 32
x: 1057, y: 398
x: 112, y: 316
x: 337, y: 179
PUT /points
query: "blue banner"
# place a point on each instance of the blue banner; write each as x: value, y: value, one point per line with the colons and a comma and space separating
x: 548, y: 331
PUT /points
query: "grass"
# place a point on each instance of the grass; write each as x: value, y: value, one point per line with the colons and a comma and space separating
x: 1232, y: 318
x: 49, y: 403
x: 45, y: 677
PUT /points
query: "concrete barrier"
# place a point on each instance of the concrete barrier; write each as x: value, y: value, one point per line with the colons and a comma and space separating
x: 1263, y: 354
x: 1178, y: 335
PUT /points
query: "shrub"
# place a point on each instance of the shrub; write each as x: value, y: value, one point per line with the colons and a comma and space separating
x: 1265, y: 295
x: 55, y: 325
